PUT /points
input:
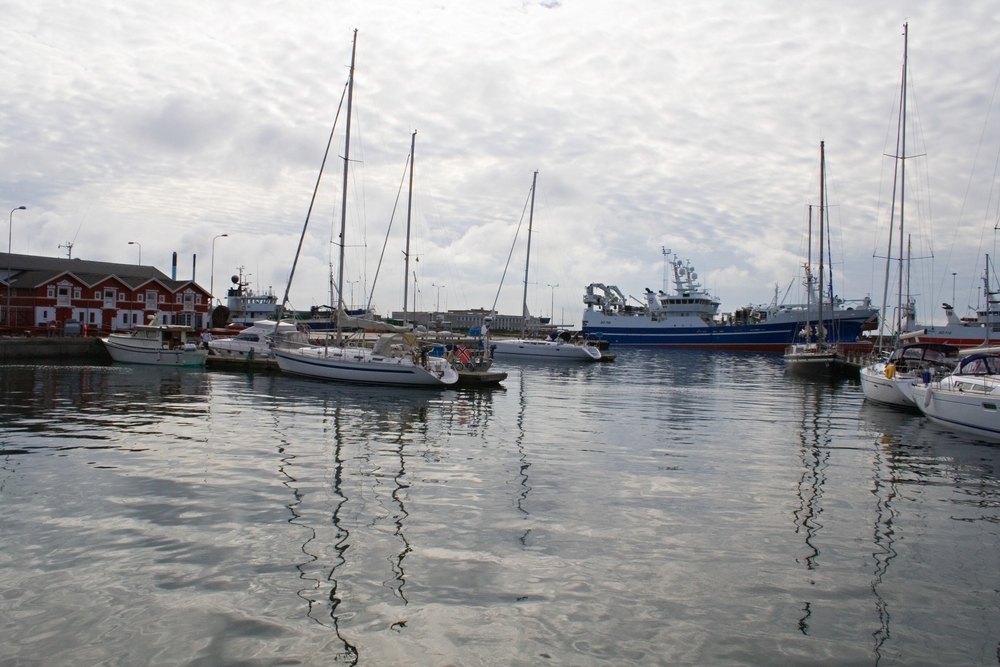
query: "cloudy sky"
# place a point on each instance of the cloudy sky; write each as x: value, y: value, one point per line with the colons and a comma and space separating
x: 690, y: 126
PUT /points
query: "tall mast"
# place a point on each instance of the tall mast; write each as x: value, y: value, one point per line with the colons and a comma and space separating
x: 527, y: 258
x: 409, y: 207
x: 809, y: 275
x: 821, y: 333
x: 343, y: 198
x: 902, y: 180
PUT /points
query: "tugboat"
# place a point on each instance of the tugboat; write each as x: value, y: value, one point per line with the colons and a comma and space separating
x: 245, y: 305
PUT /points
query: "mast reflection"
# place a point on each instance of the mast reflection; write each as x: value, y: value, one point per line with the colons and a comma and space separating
x: 814, y: 438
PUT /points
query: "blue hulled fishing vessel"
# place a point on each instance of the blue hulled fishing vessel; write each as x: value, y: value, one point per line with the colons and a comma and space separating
x: 690, y: 318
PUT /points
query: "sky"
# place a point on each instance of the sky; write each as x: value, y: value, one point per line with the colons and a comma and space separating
x: 693, y: 127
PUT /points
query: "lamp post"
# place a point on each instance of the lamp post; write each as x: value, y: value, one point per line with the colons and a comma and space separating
x: 10, y: 236
x: 211, y: 281
x: 552, y: 303
x: 437, y: 308
x: 140, y: 250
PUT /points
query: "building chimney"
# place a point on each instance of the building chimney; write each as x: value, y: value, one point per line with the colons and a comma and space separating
x: 194, y: 265
x: 173, y: 269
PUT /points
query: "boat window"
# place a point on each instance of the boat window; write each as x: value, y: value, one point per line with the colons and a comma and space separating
x: 912, y: 353
x: 981, y: 366
x: 934, y: 355
x: 249, y: 336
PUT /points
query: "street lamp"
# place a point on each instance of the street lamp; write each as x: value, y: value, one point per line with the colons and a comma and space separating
x: 212, y: 279
x: 140, y: 250
x: 552, y: 303
x: 10, y: 236
x: 437, y: 308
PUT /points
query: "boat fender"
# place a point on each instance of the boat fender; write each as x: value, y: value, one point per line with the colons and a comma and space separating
x: 890, y: 371
x: 927, y: 396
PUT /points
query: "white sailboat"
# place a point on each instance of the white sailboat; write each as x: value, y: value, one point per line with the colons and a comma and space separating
x: 968, y: 400
x: 889, y: 380
x: 396, y: 358
x: 553, y: 348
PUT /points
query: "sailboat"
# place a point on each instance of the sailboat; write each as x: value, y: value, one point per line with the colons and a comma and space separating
x: 555, y: 347
x: 397, y: 358
x: 817, y: 357
x: 889, y: 380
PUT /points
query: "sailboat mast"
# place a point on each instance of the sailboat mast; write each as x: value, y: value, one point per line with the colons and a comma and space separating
x: 409, y: 208
x: 902, y: 180
x: 343, y: 202
x: 809, y: 275
x: 821, y: 333
x: 527, y: 258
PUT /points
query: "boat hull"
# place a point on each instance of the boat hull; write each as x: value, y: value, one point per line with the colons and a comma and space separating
x: 547, y: 350
x: 315, y: 363
x: 977, y: 413
x: 764, y: 337
x: 127, y: 354
x: 896, y: 390
x: 961, y: 336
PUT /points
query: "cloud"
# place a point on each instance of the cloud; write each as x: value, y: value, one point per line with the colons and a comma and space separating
x: 695, y: 127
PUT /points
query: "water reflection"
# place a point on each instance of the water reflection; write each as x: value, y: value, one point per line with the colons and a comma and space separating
x: 814, y: 440
x: 91, y: 403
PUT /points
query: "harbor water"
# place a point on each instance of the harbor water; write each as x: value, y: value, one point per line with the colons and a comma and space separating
x: 671, y: 508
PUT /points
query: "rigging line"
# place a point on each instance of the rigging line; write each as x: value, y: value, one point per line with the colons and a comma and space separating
x: 312, y: 202
x: 511, y: 254
x: 386, y: 242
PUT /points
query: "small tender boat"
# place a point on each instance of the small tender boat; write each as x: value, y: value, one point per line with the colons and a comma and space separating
x: 251, y: 343
x: 890, y: 380
x: 156, y: 344
x: 968, y: 400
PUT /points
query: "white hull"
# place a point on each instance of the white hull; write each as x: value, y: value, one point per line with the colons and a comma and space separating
x: 360, y: 366
x: 896, y: 390
x: 122, y: 352
x: 251, y: 340
x: 966, y: 410
x: 546, y: 349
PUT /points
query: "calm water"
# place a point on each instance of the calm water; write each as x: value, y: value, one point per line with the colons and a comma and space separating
x: 671, y: 508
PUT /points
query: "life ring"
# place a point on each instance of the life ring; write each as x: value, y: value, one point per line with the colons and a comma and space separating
x: 459, y: 366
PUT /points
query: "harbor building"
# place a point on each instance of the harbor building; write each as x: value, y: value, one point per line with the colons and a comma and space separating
x: 41, y: 294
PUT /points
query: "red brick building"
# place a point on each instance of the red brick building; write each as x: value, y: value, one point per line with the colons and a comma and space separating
x: 40, y: 293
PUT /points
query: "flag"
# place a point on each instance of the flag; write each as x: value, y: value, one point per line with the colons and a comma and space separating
x: 463, y: 354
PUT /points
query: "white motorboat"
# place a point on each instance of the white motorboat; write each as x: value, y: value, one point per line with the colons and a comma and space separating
x: 156, y: 344
x: 968, y: 400
x: 251, y: 343
x: 890, y: 380
x: 396, y: 359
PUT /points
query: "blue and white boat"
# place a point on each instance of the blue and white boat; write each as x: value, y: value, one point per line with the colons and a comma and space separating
x: 690, y: 318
